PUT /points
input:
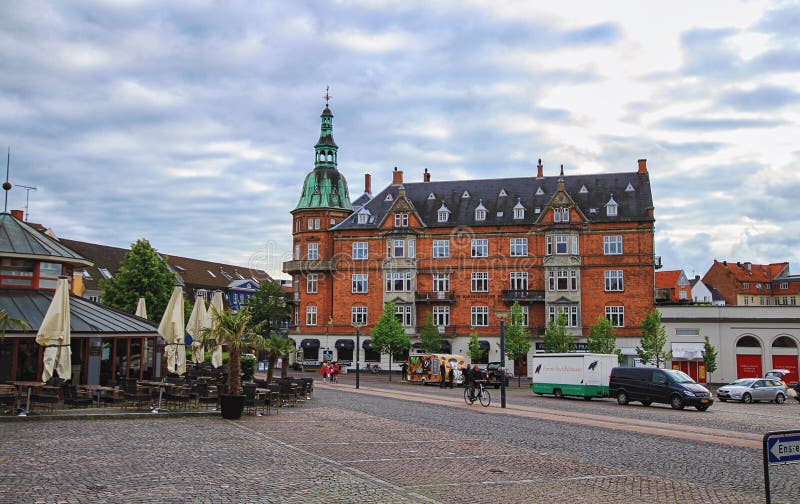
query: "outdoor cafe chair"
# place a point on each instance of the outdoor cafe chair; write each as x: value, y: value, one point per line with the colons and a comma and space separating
x: 252, y: 401
x: 8, y: 399
x: 204, y: 397
x: 179, y: 396
x: 74, y: 398
x: 135, y: 395
x: 46, y: 398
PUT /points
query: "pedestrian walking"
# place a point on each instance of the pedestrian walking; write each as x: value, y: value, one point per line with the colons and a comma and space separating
x: 451, y: 375
x: 324, y: 371
x: 335, y: 372
x: 442, y: 374
x: 404, y: 370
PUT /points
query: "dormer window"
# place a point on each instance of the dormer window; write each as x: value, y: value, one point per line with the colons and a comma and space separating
x: 519, y: 210
x: 465, y: 194
x: 363, y: 216
x: 443, y: 214
x: 431, y: 196
x: 561, y: 214
x: 401, y: 219
x: 106, y: 274
x: 629, y: 188
x: 539, y: 192
x: 389, y: 197
x: 611, y: 207
x: 502, y: 193
x: 480, y: 212
x: 211, y: 273
x: 584, y: 190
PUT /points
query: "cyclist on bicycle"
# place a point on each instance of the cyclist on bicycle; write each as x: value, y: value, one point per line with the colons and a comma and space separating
x: 469, y: 381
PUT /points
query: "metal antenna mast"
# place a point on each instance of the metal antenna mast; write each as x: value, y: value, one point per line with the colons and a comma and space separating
x: 28, y: 190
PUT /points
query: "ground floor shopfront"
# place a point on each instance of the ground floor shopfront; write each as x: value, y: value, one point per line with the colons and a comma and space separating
x: 95, y: 360
x: 749, y: 340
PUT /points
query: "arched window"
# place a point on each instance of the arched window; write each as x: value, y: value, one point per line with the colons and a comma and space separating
x: 748, y: 342
x: 784, y: 342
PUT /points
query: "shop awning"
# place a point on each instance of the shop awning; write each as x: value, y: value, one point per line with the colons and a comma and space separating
x: 416, y: 345
x: 310, y: 343
x: 345, y: 344
x: 687, y: 351
x: 484, y: 345
x: 367, y: 345
x: 447, y: 347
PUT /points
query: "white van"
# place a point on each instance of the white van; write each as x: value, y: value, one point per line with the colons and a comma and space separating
x: 571, y: 374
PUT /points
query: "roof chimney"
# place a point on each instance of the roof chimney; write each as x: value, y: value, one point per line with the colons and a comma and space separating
x: 540, y: 170
x: 426, y: 176
x: 368, y: 183
x: 643, y: 166
x: 748, y: 266
x: 18, y: 214
x: 397, y: 176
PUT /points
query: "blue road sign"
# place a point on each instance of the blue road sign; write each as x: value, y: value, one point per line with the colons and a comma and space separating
x: 784, y: 449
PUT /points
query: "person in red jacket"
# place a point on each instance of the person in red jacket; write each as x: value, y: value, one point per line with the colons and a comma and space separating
x: 325, y: 371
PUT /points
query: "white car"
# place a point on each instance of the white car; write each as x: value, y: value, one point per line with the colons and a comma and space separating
x: 750, y: 390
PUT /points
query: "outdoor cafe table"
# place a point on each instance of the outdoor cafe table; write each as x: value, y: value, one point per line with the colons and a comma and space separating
x: 99, y: 389
x: 31, y: 385
x: 161, y: 386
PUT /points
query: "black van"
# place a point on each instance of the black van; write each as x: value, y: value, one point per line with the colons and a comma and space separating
x: 666, y: 386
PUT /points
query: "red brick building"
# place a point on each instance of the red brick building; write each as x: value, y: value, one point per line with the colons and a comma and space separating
x: 748, y: 284
x: 462, y: 250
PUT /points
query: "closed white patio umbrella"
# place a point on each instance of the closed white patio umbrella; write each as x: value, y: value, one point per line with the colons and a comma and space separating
x: 54, y: 335
x: 216, y: 305
x: 194, y: 327
x: 171, y: 329
x: 141, y: 308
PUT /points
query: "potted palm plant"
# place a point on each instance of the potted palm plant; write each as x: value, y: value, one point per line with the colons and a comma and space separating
x: 277, y: 346
x: 235, y: 330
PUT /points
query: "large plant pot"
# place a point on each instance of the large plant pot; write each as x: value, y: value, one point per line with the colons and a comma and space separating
x: 232, y: 407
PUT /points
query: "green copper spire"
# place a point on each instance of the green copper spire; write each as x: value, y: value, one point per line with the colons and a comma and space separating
x: 325, y: 187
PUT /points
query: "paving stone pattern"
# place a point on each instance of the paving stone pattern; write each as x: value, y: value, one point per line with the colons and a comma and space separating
x: 339, y: 447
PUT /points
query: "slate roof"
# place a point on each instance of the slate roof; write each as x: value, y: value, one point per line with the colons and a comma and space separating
x: 19, y: 239
x: 191, y: 272
x: 531, y: 192
x: 86, y: 317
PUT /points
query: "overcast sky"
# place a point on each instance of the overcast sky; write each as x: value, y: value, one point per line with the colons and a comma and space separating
x: 193, y: 124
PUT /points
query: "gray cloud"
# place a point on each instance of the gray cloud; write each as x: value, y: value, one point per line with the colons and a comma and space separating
x: 762, y: 98
x: 704, y: 124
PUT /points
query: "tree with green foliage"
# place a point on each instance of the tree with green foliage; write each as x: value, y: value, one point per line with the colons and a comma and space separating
x: 518, y: 338
x: 709, y: 356
x: 389, y: 335
x: 429, y: 338
x: 602, y: 339
x: 654, y: 338
x: 475, y: 351
x: 277, y: 346
x: 143, y: 273
x: 236, y: 330
x: 7, y: 323
x: 268, y: 305
x: 556, y: 337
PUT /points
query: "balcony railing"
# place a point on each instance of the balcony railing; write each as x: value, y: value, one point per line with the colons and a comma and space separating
x: 444, y: 331
x: 523, y: 296
x: 435, y: 297
x: 305, y: 266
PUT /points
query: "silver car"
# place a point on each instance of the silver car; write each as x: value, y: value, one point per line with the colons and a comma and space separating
x: 750, y: 390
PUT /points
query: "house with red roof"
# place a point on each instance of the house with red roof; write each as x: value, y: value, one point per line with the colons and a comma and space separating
x: 672, y: 287
x: 748, y: 284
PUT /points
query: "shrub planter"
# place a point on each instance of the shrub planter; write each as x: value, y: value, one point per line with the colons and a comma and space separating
x: 232, y: 406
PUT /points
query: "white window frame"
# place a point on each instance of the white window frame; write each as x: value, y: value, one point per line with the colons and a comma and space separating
x: 616, y: 315
x: 404, y: 313
x: 311, y: 315
x: 479, y: 247
x: 441, y: 316
x: 363, y: 218
x: 611, y: 210
x: 480, y: 214
x: 358, y: 315
x: 360, y: 283
x: 519, y: 213
x: 442, y: 215
x: 479, y: 281
x: 479, y: 316
x: 518, y: 247
x: 312, y: 251
x: 571, y: 311
x: 360, y: 251
x: 440, y: 249
x: 614, y: 281
x: 612, y: 245
x: 441, y: 282
x: 312, y: 283
x: 401, y: 219
x: 519, y: 280
x: 783, y: 285
x: 398, y: 281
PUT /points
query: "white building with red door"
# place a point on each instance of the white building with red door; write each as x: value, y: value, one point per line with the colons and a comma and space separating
x: 750, y: 340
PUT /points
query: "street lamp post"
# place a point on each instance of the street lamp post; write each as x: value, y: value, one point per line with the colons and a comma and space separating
x: 358, y: 327
x: 502, y: 315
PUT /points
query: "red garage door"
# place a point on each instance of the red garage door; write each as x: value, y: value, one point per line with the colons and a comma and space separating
x: 748, y: 366
x: 788, y: 362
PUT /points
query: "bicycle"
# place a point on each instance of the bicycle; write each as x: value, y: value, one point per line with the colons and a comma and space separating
x: 481, y: 394
x: 373, y: 368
